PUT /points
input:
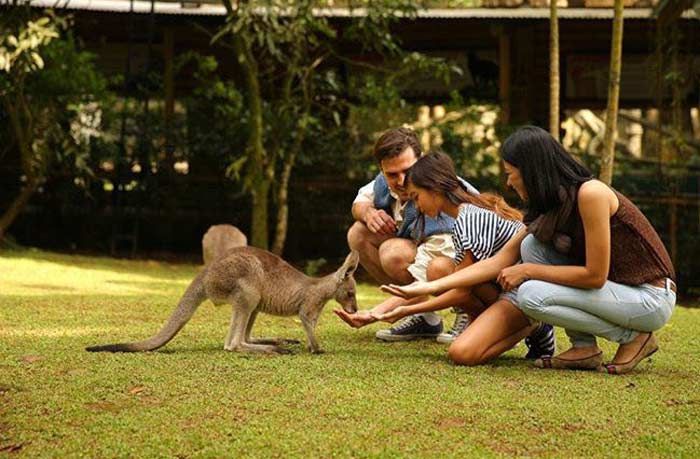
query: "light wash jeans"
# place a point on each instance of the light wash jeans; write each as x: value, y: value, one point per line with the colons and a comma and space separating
x: 616, y: 312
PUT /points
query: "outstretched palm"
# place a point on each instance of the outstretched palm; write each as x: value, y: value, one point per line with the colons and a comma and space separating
x: 357, y: 319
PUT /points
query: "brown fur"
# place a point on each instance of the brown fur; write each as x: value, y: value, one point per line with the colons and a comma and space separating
x: 252, y: 281
x: 219, y: 239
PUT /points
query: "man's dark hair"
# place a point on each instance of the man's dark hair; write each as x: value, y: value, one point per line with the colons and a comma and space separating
x: 545, y: 166
x: 394, y: 141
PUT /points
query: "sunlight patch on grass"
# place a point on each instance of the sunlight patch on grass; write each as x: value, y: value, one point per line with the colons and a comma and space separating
x: 56, y: 332
x: 34, y: 277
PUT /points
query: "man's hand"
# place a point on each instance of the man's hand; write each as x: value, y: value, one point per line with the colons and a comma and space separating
x: 393, y: 316
x: 511, y: 277
x: 355, y: 320
x: 379, y: 222
x: 409, y: 291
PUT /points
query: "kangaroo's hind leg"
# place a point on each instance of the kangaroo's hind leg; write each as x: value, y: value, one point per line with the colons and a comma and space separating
x: 243, y: 307
x: 277, y: 341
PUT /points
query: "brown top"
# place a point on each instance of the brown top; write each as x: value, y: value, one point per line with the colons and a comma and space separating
x: 637, y: 254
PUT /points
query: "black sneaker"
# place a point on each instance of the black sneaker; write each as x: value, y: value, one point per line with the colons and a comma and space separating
x: 410, y: 328
x: 541, y: 342
x: 461, y: 324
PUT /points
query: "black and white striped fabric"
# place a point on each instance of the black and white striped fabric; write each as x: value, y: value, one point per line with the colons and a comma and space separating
x: 481, y: 231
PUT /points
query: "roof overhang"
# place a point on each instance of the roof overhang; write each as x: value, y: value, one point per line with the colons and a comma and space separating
x: 209, y: 8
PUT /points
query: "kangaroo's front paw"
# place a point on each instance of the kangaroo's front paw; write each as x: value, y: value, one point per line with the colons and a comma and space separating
x: 317, y: 350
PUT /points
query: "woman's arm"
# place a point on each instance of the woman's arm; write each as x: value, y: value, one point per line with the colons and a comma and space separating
x: 475, y: 274
x: 596, y: 204
x: 445, y: 300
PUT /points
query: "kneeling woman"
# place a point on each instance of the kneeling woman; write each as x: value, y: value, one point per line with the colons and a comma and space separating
x: 592, y: 263
x: 484, y: 224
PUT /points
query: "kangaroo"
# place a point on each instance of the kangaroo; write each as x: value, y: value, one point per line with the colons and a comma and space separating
x: 219, y: 239
x: 253, y: 280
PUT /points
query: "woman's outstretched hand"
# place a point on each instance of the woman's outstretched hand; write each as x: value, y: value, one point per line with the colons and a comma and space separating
x: 357, y: 319
x: 408, y: 291
x: 392, y: 316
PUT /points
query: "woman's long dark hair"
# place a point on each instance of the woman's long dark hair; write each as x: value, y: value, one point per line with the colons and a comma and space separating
x: 545, y: 166
x: 436, y: 172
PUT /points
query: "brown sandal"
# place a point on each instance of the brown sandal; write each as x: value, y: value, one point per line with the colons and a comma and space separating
x: 589, y: 363
x: 648, y: 348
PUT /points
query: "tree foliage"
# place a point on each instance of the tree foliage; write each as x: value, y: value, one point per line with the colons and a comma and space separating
x: 49, y: 92
x: 292, y: 61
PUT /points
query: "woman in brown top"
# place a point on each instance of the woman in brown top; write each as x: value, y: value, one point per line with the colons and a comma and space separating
x: 592, y: 263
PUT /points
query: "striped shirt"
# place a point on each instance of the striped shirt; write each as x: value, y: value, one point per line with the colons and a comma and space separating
x: 481, y: 231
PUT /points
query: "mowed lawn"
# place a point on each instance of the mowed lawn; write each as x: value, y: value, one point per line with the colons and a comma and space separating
x: 362, y: 398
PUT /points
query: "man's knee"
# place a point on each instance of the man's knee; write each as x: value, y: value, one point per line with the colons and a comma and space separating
x: 358, y: 234
x: 396, y: 254
x: 439, y: 267
x: 464, y: 354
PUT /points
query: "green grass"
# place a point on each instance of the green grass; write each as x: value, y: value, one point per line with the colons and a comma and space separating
x: 361, y: 398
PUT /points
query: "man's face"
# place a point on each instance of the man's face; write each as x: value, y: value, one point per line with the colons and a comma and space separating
x: 394, y: 170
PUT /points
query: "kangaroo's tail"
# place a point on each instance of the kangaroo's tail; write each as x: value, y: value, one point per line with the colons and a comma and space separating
x: 190, y: 301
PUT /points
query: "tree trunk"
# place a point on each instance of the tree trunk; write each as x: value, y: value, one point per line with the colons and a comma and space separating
x: 606, y: 164
x: 21, y: 126
x: 16, y: 208
x: 258, y: 160
x: 553, y: 70
x: 260, y: 193
x: 283, y: 206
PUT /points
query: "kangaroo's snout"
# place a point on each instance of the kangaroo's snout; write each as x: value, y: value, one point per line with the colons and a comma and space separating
x: 346, y: 298
x: 351, y: 307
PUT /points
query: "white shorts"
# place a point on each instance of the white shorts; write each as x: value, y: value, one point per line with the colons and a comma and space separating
x: 438, y: 245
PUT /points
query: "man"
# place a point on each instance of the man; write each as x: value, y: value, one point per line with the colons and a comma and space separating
x: 382, y: 234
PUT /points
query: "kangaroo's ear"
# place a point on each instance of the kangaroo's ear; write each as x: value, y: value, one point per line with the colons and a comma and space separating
x: 349, y: 265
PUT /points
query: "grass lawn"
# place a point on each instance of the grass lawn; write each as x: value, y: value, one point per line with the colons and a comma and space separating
x: 362, y: 398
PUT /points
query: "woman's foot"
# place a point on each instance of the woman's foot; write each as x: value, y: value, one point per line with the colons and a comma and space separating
x: 576, y: 358
x: 630, y: 354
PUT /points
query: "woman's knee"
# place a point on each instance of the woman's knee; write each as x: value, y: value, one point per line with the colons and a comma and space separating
x: 461, y: 354
x: 531, y: 298
x: 439, y: 267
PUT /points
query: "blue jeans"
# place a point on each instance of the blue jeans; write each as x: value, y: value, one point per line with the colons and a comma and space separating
x: 616, y: 312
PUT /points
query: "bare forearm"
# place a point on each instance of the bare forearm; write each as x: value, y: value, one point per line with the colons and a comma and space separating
x: 359, y: 209
x: 445, y: 300
x: 573, y: 276
x: 476, y: 274
x: 482, y: 271
x: 394, y: 302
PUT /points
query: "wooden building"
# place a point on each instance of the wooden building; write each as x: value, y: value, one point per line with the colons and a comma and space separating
x: 504, y: 51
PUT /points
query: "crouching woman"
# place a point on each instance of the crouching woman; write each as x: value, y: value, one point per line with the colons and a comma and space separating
x: 592, y: 263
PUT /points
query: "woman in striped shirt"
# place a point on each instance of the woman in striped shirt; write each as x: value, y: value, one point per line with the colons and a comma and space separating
x: 484, y: 224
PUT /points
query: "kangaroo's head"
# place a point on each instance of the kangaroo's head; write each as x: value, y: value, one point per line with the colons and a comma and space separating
x: 345, y: 283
